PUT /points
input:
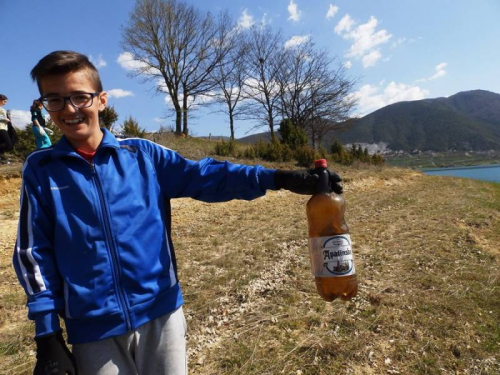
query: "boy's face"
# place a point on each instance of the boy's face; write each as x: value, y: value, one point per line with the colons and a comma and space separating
x: 3, y: 102
x: 79, y: 125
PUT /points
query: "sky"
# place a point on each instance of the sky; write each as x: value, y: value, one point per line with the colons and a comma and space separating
x: 396, y: 50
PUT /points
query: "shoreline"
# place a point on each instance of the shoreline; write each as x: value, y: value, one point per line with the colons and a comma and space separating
x: 451, y: 168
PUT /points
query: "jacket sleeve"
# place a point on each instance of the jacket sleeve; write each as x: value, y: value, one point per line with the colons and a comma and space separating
x: 34, y: 259
x: 209, y: 180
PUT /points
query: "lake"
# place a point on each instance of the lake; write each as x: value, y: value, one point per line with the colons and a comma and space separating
x: 477, y: 172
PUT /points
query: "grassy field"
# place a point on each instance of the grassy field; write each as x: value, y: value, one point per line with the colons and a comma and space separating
x: 428, y: 261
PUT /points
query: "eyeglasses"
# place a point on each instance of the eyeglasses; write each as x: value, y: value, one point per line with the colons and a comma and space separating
x: 81, y: 100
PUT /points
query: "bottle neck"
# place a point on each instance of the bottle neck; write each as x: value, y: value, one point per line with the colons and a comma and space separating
x: 323, y: 185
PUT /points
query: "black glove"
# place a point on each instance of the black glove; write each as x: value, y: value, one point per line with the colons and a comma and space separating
x: 53, y: 356
x: 304, y: 181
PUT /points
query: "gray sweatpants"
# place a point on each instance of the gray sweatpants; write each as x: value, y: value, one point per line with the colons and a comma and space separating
x: 157, y: 347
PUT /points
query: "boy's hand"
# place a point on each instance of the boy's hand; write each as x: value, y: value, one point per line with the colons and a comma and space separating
x: 42, y: 132
x: 53, y: 356
x: 47, y: 130
x: 304, y: 181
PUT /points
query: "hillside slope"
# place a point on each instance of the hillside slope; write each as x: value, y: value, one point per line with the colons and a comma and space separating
x: 465, y: 121
x: 468, y: 120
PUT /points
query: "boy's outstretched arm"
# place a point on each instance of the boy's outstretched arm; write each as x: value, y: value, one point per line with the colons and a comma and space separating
x: 215, y: 181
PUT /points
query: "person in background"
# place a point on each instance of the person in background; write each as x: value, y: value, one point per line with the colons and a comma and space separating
x: 6, y: 143
x: 94, y: 241
x: 12, y: 131
x: 39, y: 128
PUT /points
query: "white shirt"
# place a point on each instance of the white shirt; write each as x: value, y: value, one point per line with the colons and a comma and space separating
x: 4, y: 120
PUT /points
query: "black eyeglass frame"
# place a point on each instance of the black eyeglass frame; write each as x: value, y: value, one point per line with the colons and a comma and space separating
x: 68, y: 98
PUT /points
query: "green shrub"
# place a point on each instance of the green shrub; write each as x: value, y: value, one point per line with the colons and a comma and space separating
x: 108, y: 117
x: 249, y: 153
x: 377, y: 159
x: 322, y: 152
x: 26, y: 140
x: 292, y: 135
x: 273, y: 151
x: 306, y: 156
x: 131, y: 128
x: 342, y: 157
x: 223, y: 148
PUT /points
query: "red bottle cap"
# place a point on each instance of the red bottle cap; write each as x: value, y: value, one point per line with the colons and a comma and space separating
x: 321, y: 163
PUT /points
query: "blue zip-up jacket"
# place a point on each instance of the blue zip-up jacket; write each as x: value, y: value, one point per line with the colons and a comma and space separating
x: 94, y: 240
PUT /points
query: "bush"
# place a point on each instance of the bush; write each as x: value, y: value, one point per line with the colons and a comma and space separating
x: 223, y: 148
x: 292, y: 135
x: 377, y: 159
x: 274, y: 151
x: 108, y: 117
x: 131, y: 128
x: 355, y: 154
x: 25, y: 144
x: 306, y: 156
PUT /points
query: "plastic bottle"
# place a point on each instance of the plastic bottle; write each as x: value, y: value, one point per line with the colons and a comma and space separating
x: 332, y: 260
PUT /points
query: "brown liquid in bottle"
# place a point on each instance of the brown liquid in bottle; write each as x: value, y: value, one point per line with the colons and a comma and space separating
x: 325, y: 216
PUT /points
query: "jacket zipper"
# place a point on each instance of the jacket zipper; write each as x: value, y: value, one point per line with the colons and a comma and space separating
x: 112, y: 247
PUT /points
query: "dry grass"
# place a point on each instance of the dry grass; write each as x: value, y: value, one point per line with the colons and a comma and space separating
x: 427, y: 258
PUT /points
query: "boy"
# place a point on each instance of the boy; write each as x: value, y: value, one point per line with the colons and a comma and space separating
x: 94, y: 242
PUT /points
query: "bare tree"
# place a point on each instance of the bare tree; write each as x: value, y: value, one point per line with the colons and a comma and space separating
x: 231, y: 76
x: 177, y: 47
x: 315, y: 96
x: 263, y: 65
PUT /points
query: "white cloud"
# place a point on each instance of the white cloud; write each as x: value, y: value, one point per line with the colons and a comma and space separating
x: 440, y: 72
x: 365, y: 39
x: 119, y: 93
x: 415, y: 40
x: 348, y: 64
x: 127, y: 62
x: 20, y: 118
x: 294, y: 11
x: 264, y: 21
x: 345, y: 24
x: 371, y: 58
x: 296, y: 40
x: 246, y: 20
x: 370, y: 98
x: 398, y: 42
x: 332, y: 11
x: 99, y: 62
x: 441, y: 66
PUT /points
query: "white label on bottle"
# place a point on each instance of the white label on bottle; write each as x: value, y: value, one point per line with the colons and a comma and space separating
x: 331, y: 256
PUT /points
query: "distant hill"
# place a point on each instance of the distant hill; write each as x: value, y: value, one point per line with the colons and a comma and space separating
x: 468, y: 120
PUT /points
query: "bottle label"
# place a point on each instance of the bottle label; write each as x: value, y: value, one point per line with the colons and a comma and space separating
x: 331, y: 256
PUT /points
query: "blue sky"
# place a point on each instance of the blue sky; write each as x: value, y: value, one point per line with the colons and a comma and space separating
x: 397, y: 49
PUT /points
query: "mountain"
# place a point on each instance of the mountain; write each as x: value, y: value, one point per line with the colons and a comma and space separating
x: 468, y: 120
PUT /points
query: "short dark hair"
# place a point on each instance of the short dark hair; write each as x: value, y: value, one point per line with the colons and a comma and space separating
x: 3, y: 97
x: 63, y: 62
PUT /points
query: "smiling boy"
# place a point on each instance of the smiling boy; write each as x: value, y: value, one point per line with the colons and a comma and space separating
x: 94, y: 244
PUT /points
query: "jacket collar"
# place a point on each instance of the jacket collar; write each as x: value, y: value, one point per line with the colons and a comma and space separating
x: 64, y: 148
